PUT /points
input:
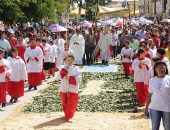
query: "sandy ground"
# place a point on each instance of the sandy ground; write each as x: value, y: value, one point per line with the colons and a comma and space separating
x: 17, y: 120
x: 81, y: 121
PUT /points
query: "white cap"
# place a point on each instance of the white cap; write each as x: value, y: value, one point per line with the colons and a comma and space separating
x: 11, y: 31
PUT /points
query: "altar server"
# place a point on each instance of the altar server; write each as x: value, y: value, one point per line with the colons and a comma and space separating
x: 4, y: 78
x: 70, y: 80
x: 18, y: 76
x: 127, y: 55
x: 47, y: 53
x: 33, y: 57
x: 141, y: 67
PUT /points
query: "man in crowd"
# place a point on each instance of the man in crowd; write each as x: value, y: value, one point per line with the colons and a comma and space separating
x: 77, y: 44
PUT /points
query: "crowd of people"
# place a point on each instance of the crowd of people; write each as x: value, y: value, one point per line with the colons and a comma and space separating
x: 34, y: 54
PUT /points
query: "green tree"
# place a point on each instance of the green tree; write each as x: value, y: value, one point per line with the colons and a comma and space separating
x: 29, y: 10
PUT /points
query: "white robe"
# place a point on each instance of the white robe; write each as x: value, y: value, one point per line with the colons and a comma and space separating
x: 78, y: 49
x: 47, y: 51
x: 5, y: 63
x: 104, y: 42
x: 53, y: 54
x: 128, y: 52
x: 65, y: 87
x: 18, y: 69
x: 34, y: 66
x: 60, y: 45
x: 140, y: 74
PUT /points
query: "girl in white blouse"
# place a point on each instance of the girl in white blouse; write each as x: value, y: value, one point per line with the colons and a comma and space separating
x: 159, y: 97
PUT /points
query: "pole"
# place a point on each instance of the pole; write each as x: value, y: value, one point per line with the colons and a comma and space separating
x: 80, y: 5
x: 134, y: 7
x: 155, y: 10
x: 144, y: 8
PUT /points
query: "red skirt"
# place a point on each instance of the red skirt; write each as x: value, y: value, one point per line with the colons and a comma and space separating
x: 3, y: 90
x: 16, y: 89
x: 34, y: 79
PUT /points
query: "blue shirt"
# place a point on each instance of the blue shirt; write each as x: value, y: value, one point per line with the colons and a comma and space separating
x: 5, y: 44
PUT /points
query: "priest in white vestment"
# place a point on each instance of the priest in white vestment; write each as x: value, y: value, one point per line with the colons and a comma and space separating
x: 77, y: 45
x: 104, y: 43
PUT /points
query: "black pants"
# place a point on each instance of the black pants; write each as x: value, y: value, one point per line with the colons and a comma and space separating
x: 114, y: 48
x: 88, y: 54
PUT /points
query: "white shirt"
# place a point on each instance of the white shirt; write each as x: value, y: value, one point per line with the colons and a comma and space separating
x: 47, y: 51
x: 5, y: 44
x: 114, y: 39
x: 152, y: 52
x: 160, y: 89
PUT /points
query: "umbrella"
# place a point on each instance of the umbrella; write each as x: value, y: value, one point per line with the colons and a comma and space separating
x: 165, y: 21
x: 52, y: 26
x: 59, y: 29
x: 119, y: 24
x: 87, y: 24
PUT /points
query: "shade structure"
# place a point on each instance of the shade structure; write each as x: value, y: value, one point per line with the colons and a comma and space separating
x: 59, y: 29
x: 76, y: 11
x: 119, y: 24
x: 126, y: 13
x: 108, y: 11
x: 165, y: 21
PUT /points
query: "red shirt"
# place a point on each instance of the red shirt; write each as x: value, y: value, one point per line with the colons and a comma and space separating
x: 13, y: 42
x: 21, y: 51
x: 156, y: 41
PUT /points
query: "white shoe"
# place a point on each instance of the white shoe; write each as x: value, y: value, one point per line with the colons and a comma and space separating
x: 3, y: 109
x: 70, y: 120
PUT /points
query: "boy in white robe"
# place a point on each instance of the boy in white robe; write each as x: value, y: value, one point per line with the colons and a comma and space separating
x: 127, y: 55
x: 70, y: 80
x: 34, y: 58
x: 4, y: 78
x: 18, y: 76
x: 47, y: 53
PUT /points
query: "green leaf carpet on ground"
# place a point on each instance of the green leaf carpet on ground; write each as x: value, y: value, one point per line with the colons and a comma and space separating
x: 114, y: 101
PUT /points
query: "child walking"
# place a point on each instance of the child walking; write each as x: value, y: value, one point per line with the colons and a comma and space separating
x: 141, y: 69
x: 127, y: 54
x: 69, y: 87
x: 4, y: 78
x: 18, y: 76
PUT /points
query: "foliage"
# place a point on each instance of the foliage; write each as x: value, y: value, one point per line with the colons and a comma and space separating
x: 32, y: 10
x: 123, y: 100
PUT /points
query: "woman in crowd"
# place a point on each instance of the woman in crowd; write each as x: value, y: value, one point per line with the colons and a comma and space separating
x: 159, y: 97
